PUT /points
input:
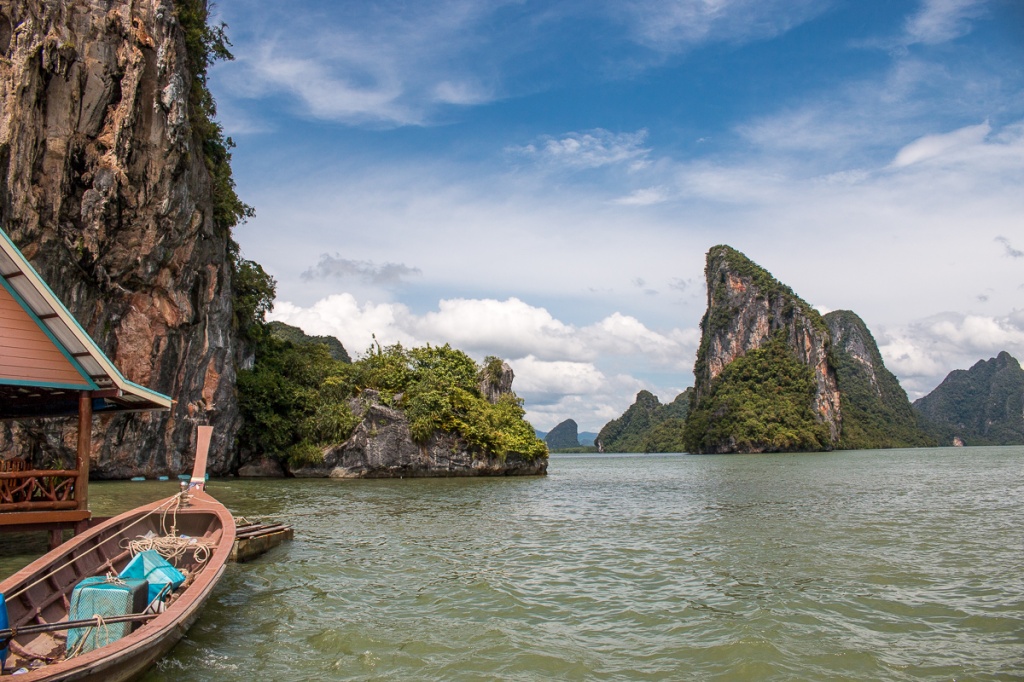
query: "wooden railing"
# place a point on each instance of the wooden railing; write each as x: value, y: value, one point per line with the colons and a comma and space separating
x: 36, y: 489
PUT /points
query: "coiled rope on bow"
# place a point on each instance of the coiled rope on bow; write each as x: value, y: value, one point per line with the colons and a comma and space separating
x: 170, y: 545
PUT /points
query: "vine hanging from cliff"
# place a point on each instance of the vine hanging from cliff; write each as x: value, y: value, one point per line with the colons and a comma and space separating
x: 205, y: 45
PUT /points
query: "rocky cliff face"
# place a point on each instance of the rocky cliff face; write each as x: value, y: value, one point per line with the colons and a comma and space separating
x: 747, y: 309
x: 876, y: 411
x: 983, y: 405
x: 626, y: 433
x: 104, y: 188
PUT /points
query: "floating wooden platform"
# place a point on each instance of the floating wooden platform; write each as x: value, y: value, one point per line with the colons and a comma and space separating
x: 254, y: 539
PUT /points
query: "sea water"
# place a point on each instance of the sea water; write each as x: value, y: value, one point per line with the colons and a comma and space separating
x: 867, y: 565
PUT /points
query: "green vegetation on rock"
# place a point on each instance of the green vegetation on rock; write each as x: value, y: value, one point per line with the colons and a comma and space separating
x: 565, y: 436
x: 876, y: 411
x: 983, y: 405
x: 647, y: 426
x: 761, y: 402
x: 206, y: 44
x: 296, y: 400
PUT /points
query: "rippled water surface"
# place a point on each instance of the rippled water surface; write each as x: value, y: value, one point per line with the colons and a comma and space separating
x: 882, y: 565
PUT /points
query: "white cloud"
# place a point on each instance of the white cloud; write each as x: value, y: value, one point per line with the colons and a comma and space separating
x: 924, y: 352
x: 643, y: 197
x: 388, y: 63
x: 554, y: 379
x: 589, y: 149
x: 354, y: 324
x: 932, y: 147
x: 939, y: 21
x: 508, y: 328
x: 676, y: 25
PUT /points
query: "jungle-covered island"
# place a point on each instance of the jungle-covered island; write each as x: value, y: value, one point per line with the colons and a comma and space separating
x: 773, y: 375
x: 309, y: 410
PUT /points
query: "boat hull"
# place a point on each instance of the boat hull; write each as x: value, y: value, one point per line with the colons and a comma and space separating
x: 99, y: 550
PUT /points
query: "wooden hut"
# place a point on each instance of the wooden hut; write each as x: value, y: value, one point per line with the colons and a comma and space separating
x: 50, y: 367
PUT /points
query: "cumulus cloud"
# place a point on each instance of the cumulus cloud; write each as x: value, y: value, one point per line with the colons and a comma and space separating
x: 549, y: 381
x: 924, y: 352
x: 589, y: 149
x: 366, y: 271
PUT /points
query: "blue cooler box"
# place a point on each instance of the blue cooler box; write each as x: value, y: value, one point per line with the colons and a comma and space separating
x: 163, y: 578
x: 96, y: 596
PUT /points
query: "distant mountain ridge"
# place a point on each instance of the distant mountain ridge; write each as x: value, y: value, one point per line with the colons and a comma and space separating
x: 983, y: 405
x: 286, y: 332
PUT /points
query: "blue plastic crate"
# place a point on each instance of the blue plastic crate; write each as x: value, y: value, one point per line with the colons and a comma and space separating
x: 98, y: 596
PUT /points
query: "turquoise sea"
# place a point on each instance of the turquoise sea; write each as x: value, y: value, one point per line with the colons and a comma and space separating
x: 873, y: 565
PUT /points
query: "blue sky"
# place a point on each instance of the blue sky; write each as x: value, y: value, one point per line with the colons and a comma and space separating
x: 542, y: 180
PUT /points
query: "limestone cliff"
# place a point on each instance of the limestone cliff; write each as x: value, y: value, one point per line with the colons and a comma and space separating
x: 752, y: 316
x: 983, y: 405
x: 626, y: 433
x: 104, y: 188
x: 647, y: 426
x: 565, y: 435
x: 876, y: 411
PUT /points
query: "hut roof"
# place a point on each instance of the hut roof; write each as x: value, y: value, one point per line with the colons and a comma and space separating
x: 47, y: 358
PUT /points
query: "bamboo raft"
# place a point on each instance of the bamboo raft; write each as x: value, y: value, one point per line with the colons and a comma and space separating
x: 255, y: 539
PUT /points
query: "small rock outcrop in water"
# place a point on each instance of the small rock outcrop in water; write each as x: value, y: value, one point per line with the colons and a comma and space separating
x: 983, y: 405
x: 763, y: 378
x: 563, y: 436
x: 382, y: 446
x: 103, y: 186
x: 876, y: 411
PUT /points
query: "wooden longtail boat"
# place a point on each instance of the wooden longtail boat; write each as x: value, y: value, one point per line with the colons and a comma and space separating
x: 40, y: 593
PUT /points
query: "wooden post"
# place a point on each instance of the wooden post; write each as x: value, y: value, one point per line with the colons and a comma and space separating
x: 56, y: 538
x: 84, y: 448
